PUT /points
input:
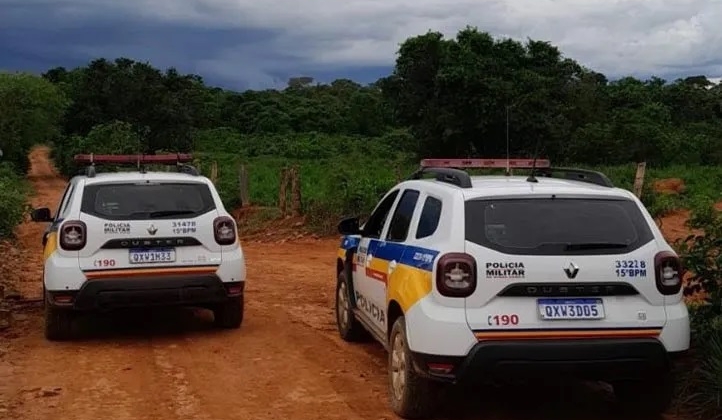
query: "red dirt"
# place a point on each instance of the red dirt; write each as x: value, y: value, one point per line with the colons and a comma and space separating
x: 674, y: 225
x: 254, y: 225
x: 25, y: 268
x: 669, y: 186
x: 286, y: 362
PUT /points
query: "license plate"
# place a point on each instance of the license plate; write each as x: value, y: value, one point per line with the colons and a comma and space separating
x: 149, y: 256
x: 571, y: 308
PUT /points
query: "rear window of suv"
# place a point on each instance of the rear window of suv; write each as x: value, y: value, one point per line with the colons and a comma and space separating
x: 557, y: 226
x: 137, y: 201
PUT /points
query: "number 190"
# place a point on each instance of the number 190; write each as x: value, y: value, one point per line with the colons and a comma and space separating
x: 104, y: 263
x: 505, y: 319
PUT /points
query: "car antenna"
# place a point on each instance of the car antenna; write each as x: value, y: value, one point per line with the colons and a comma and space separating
x: 508, y: 170
x: 531, y: 177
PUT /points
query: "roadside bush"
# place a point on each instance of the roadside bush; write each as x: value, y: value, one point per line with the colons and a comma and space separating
x: 700, y: 390
x: 349, y: 189
x: 701, y: 385
x: 12, y: 200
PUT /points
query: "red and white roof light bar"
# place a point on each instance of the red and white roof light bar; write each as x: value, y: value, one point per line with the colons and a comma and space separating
x: 485, y: 163
x: 167, y: 159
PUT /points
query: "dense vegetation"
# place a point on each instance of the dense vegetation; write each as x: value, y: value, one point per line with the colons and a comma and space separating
x: 445, y: 97
x: 457, y: 97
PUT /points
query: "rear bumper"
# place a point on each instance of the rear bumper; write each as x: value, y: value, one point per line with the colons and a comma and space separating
x: 174, y: 290
x: 598, y: 359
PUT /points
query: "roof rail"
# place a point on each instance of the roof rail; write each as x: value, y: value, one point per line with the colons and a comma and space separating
x: 449, y: 170
x: 576, y: 174
x: 449, y: 175
x: 179, y: 159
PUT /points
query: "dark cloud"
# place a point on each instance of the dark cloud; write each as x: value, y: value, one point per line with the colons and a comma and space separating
x: 249, y: 44
x: 32, y: 39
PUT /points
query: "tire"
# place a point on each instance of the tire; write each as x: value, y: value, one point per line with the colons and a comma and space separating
x: 58, y: 323
x: 229, y: 314
x: 411, y: 395
x: 348, y: 326
x: 648, y: 398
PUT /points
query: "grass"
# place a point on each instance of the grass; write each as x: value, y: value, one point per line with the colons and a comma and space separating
x: 333, y: 187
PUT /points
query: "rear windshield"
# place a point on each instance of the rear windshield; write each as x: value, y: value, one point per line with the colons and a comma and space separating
x: 557, y: 226
x: 147, y: 200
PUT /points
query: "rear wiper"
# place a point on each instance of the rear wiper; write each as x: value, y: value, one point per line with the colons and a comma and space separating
x: 594, y: 245
x: 162, y: 213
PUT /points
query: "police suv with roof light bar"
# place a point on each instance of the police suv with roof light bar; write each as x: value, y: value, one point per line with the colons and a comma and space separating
x: 138, y: 239
x: 558, y: 274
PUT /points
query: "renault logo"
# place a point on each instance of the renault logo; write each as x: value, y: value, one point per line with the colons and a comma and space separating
x: 152, y: 229
x: 571, y: 270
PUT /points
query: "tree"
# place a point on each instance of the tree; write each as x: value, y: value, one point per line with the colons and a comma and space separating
x: 31, y: 110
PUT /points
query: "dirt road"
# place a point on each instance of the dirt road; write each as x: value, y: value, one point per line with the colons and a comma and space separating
x: 286, y: 362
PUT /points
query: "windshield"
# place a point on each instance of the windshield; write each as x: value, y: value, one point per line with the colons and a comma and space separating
x: 147, y: 200
x: 557, y: 226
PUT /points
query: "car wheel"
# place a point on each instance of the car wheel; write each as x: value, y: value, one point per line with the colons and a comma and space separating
x: 229, y: 314
x: 58, y: 323
x: 411, y: 395
x: 348, y: 326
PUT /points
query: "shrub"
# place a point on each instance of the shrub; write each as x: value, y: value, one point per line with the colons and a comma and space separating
x: 701, y: 386
x: 700, y: 390
x: 701, y: 256
x: 12, y: 200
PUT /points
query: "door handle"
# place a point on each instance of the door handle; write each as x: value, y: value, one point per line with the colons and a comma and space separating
x: 392, y: 266
x: 368, y: 260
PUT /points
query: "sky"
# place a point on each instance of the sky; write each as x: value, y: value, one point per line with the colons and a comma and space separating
x: 244, y: 44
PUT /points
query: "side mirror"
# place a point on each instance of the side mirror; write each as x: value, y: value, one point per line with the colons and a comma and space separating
x: 41, y: 215
x: 349, y: 226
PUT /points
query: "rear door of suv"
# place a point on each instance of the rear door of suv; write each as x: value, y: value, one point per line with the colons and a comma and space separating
x: 563, y: 267
x: 148, y: 224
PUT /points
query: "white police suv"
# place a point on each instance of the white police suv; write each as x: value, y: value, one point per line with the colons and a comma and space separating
x: 138, y: 238
x: 558, y: 274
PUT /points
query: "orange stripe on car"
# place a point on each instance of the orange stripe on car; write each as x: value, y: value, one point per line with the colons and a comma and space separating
x: 376, y: 275
x: 139, y: 272
x: 567, y: 334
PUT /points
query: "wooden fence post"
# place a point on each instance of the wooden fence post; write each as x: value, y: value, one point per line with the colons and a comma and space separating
x: 639, y: 179
x: 214, y: 172
x: 295, y: 191
x: 282, y: 191
x: 243, y: 192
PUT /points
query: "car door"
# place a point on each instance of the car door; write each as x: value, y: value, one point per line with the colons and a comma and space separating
x: 370, y: 275
x: 390, y: 251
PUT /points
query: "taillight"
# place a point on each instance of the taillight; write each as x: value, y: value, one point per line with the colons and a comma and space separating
x: 668, y: 272
x: 73, y: 235
x: 456, y: 275
x: 224, y: 230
